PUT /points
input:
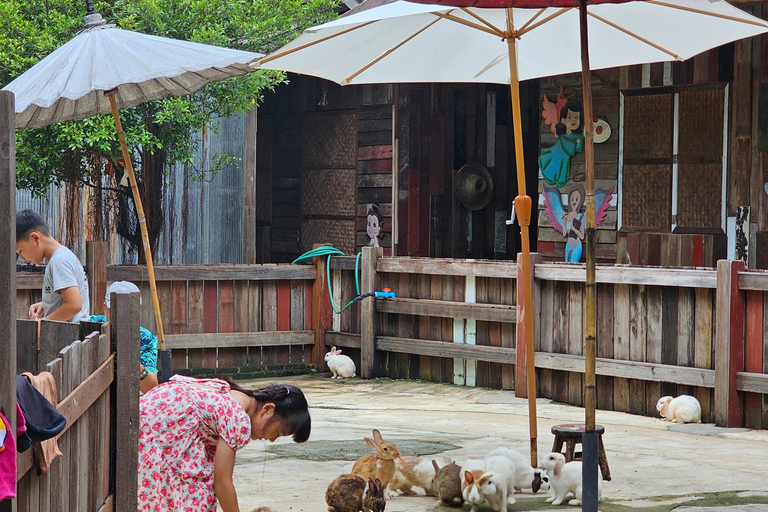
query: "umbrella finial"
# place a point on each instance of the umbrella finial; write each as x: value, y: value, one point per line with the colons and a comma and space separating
x: 92, y: 18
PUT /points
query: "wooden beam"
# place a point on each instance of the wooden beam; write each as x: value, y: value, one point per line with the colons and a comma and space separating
x: 240, y: 339
x: 752, y: 382
x: 448, y: 267
x: 368, y: 357
x: 125, y: 332
x: 446, y: 349
x: 250, y: 186
x: 343, y: 262
x: 96, y: 264
x: 654, y: 276
x: 8, y: 265
x: 269, y: 272
x: 342, y: 339
x: 753, y: 281
x: 448, y: 309
x: 28, y: 281
x: 729, y: 344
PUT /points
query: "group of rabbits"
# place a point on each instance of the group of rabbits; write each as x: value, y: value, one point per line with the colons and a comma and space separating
x: 493, y: 479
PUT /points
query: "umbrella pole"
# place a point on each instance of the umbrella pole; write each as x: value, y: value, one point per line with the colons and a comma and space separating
x: 523, y: 205
x: 165, y: 356
x: 590, y: 439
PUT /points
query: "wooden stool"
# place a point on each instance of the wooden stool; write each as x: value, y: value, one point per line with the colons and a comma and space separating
x: 570, y: 435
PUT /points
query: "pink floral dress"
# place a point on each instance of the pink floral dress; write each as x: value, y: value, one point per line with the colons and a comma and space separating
x: 179, y: 428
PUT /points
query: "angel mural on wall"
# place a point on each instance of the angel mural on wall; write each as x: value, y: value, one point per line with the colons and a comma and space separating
x: 374, y: 218
x: 569, y: 219
x: 566, y: 119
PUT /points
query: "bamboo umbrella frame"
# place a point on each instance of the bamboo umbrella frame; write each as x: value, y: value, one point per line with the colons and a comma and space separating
x: 144, y: 232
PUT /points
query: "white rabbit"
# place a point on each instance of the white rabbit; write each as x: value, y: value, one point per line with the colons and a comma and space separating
x: 497, y: 485
x: 341, y: 366
x: 683, y: 409
x: 415, y: 472
x: 471, y: 472
x: 565, y: 478
x: 526, y: 476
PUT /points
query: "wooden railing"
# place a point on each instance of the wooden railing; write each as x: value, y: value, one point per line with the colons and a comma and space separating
x: 661, y: 331
x: 97, y: 393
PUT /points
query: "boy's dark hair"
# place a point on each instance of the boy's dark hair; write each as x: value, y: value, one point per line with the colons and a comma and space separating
x: 28, y: 221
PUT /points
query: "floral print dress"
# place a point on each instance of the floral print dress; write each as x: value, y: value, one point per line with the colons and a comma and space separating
x: 179, y: 428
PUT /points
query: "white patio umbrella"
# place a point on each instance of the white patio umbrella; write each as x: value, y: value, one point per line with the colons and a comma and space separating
x: 103, y: 65
x: 501, y: 42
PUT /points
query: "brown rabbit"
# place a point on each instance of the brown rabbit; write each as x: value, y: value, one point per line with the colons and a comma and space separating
x: 381, y: 465
x: 350, y: 493
x: 448, y: 484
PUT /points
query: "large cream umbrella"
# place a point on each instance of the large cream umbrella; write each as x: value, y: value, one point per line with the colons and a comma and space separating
x: 505, y: 41
x: 103, y: 65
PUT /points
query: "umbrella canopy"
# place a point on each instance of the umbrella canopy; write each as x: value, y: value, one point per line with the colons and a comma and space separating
x: 69, y: 83
x: 405, y: 42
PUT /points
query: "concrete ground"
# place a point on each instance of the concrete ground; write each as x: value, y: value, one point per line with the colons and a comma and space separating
x: 655, y: 466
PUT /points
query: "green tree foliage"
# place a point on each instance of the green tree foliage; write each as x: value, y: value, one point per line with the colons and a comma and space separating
x: 159, y: 132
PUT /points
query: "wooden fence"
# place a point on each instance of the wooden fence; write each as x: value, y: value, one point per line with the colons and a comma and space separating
x: 230, y: 316
x: 97, y: 392
x: 661, y: 331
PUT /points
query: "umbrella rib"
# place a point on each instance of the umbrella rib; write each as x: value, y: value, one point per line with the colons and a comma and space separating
x: 312, y: 43
x: 545, y: 20
x: 469, y: 24
x: 636, y: 36
x: 700, y: 11
x: 383, y: 55
x: 535, y: 16
x: 482, y: 20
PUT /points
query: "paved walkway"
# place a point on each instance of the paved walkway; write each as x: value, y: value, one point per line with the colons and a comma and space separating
x: 656, y: 466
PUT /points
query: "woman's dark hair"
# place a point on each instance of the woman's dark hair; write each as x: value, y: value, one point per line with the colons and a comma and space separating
x: 573, y: 106
x: 290, y: 406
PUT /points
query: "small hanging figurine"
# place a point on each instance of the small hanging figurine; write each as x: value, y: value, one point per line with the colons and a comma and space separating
x: 373, y: 224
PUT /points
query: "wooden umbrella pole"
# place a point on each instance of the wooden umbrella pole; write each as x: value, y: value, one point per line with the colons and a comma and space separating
x: 142, y: 219
x: 523, y: 206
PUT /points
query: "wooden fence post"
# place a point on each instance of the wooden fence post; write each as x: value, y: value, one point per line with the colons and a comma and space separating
x: 521, y: 371
x: 125, y: 343
x: 250, y: 232
x: 368, y: 357
x: 96, y: 267
x: 8, y: 265
x: 729, y: 344
x: 322, y: 317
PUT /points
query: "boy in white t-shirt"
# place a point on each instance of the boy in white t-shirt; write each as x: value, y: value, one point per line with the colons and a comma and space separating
x: 65, y: 284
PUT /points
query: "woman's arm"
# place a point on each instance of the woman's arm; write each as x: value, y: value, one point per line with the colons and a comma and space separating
x: 223, y: 466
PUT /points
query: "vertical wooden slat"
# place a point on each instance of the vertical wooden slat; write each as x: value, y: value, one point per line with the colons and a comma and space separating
x: 448, y: 294
x: 482, y: 376
x: 547, y: 323
x: 178, y: 319
x: 195, y: 308
x: 229, y: 357
x: 96, y: 263
x: 494, y: 333
x: 283, y: 317
x: 436, y: 327
x: 65, y: 441
x: 369, y: 366
x: 55, y: 474
x: 425, y: 328
x: 269, y: 318
x: 322, y: 314
x: 210, y: 319
x: 250, y: 242
x: 669, y: 333
x: 621, y: 343
x: 654, y: 315
x: 729, y: 349
x: 240, y: 313
x: 604, y: 342
x: 508, y: 296
x: 125, y: 332
x: 75, y: 439
x: 575, y: 339
x: 685, y: 333
x: 702, y: 352
x: 637, y: 345
x: 753, y: 357
x: 255, y: 356
x: 559, y: 339
x: 298, y: 308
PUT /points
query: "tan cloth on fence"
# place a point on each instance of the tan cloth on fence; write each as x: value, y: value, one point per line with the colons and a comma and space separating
x: 46, y: 451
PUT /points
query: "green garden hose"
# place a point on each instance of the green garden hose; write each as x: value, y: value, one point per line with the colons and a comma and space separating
x: 327, y: 250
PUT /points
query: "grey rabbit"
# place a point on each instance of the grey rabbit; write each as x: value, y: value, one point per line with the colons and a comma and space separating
x: 352, y: 493
x: 448, y: 484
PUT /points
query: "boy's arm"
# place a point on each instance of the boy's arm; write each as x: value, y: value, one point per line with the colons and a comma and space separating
x: 70, y: 307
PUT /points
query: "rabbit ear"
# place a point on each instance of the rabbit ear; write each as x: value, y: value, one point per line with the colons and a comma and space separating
x: 558, y: 467
x: 500, y: 495
x: 338, y: 352
x: 379, y: 486
x: 536, y: 484
x: 665, y: 408
x: 370, y: 442
x: 371, y: 486
x: 469, y: 477
x: 377, y: 436
x: 434, y: 463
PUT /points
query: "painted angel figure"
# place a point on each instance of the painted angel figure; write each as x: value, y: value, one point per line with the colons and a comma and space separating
x: 568, y: 218
x: 566, y: 119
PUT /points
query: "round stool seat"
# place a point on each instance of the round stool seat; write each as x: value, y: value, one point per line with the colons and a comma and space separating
x: 575, y: 430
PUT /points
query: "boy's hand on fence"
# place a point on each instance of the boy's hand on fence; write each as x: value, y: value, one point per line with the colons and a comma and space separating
x: 36, y: 311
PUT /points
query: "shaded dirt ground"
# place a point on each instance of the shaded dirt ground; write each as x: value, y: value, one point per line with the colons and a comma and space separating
x: 655, y: 466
